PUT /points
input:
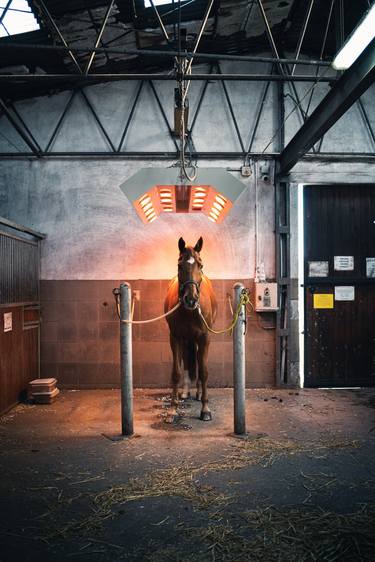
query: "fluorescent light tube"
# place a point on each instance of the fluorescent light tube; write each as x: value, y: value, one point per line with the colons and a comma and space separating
x: 357, y: 42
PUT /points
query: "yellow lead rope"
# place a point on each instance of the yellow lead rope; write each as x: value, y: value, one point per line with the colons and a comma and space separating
x: 244, y: 301
x: 144, y: 321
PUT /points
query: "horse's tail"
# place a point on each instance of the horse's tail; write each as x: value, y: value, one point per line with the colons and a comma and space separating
x: 190, y: 358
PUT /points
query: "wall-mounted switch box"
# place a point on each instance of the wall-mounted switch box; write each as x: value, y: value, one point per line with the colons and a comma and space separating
x: 265, y: 297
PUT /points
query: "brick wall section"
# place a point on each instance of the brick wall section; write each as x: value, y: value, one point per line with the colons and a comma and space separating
x: 80, y: 337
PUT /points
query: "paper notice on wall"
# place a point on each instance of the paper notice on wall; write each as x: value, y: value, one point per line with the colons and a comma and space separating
x: 344, y: 263
x: 318, y: 269
x: 323, y: 300
x: 370, y: 267
x: 8, y: 322
x: 344, y: 293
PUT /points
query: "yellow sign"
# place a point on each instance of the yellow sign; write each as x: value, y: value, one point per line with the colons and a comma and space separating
x: 323, y: 300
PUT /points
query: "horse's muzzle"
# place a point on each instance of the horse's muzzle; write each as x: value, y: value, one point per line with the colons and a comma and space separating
x: 190, y: 303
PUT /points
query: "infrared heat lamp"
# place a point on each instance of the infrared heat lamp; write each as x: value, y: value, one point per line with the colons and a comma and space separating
x: 153, y: 191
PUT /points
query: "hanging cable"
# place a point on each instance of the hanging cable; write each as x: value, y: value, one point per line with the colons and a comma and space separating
x: 184, y: 69
x: 295, y: 107
x: 184, y: 164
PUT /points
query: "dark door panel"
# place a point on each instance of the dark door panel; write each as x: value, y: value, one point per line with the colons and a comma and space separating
x: 340, y: 341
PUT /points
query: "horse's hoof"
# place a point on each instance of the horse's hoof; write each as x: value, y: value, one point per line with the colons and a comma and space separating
x: 185, y: 396
x: 206, y: 416
x: 197, y: 397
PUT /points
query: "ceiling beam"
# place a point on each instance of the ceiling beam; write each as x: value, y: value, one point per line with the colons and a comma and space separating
x: 99, y: 36
x: 44, y: 11
x: 329, y: 157
x: 5, y: 10
x: 349, y: 87
x: 109, y: 77
x: 9, y: 45
x: 34, y: 149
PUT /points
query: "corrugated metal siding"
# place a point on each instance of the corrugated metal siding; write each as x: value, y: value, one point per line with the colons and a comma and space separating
x: 19, y: 270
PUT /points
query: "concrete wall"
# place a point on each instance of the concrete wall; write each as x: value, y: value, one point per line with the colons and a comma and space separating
x: 94, y: 234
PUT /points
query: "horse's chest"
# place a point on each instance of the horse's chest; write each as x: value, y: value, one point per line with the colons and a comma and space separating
x: 187, y: 325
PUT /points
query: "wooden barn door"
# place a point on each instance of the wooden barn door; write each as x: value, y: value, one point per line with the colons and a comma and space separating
x: 19, y: 313
x: 339, y: 271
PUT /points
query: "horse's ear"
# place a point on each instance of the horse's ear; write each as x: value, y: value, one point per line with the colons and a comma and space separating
x: 198, y: 245
x: 181, y: 244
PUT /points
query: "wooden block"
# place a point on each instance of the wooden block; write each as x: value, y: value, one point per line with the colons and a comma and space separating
x: 45, y: 397
x: 43, y: 386
x: 37, y: 382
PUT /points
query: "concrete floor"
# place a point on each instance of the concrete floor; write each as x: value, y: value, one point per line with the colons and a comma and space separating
x: 189, y: 491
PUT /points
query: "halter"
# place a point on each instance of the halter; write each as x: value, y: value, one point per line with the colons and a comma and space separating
x: 190, y: 282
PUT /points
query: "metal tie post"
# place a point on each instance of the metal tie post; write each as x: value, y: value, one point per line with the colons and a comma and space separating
x: 239, y: 400
x: 126, y: 361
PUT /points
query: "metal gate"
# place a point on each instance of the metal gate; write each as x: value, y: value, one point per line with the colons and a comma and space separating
x: 339, y: 249
x: 19, y: 310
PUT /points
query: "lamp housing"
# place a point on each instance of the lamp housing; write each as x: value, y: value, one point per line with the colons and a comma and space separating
x: 153, y: 191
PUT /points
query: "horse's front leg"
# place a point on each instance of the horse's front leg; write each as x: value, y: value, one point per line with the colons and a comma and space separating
x: 186, y: 378
x: 199, y: 389
x: 176, y: 375
x: 186, y: 387
x: 203, y: 344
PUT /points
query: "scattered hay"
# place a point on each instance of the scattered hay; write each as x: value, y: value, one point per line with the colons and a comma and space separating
x: 315, y: 534
x: 182, y: 480
x: 177, y: 481
x: 16, y: 411
x: 265, y: 451
x: 295, y: 535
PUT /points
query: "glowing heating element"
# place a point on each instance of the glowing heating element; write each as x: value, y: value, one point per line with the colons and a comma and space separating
x: 205, y: 199
x: 167, y: 198
x: 182, y: 199
x: 148, y: 206
x: 217, y: 206
x: 198, y: 197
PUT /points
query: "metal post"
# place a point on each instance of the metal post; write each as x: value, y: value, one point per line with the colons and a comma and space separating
x: 239, y: 365
x: 126, y: 363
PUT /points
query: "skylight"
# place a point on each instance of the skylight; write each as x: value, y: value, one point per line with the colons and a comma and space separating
x: 157, y: 3
x: 16, y: 17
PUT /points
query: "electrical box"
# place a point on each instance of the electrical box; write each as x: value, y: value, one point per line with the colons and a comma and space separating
x: 265, y: 297
x: 246, y: 171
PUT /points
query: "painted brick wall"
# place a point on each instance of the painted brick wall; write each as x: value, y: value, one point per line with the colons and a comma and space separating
x: 80, y: 337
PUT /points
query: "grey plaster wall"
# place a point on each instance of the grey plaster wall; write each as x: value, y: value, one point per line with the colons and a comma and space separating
x: 93, y: 232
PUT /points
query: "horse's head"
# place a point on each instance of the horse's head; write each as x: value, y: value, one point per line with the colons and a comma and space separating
x: 189, y: 273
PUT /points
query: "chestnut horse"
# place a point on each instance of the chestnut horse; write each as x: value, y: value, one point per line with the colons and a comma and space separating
x: 189, y: 337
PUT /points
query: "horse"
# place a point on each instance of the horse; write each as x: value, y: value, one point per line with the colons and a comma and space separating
x: 189, y: 335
